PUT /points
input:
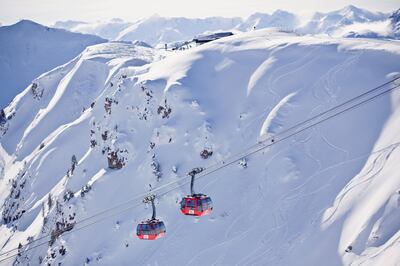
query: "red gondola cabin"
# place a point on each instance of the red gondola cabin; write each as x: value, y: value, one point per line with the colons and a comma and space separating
x: 151, y: 230
x: 196, y: 205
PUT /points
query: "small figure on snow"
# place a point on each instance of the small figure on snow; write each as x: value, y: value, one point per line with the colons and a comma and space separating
x: 349, y: 249
x: 243, y: 163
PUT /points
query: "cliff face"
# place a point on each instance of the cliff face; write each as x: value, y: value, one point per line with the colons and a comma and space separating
x: 395, y: 20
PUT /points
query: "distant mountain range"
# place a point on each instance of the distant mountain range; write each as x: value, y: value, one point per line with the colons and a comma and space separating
x: 280, y: 19
x: 332, y: 21
x: 108, y: 30
x: 349, y: 21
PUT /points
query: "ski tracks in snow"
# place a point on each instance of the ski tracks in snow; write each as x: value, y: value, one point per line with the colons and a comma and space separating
x: 329, y: 79
x: 394, y: 240
x: 275, y: 76
x: 335, y: 147
x: 381, y: 159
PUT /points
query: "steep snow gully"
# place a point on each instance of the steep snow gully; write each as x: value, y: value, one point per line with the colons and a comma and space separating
x: 83, y: 144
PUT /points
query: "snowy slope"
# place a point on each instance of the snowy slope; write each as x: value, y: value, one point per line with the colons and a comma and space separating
x: 297, y: 203
x: 28, y: 49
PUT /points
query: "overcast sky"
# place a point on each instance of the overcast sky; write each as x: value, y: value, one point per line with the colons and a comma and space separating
x: 49, y: 11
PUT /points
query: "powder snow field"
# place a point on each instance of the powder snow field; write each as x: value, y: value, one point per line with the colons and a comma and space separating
x: 299, y: 202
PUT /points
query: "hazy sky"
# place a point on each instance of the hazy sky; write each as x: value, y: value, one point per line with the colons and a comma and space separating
x: 49, y: 11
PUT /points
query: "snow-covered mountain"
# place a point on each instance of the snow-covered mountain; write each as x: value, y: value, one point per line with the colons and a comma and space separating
x: 395, y: 22
x: 380, y: 29
x: 330, y: 22
x: 155, y: 30
x: 69, y: 24
x: 28, y: 49
x: 388, y: 28
x: 106, y: 29
x: 150, y: 118
x: 279, y: 19
x: 349, y: 21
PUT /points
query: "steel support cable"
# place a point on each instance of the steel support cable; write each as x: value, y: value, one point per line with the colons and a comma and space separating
x: 66, y: 233
x: 396, y: 144
x: 277, y: 140
x: 235, y: 158
x: 229, y: 160
x: 242, y: 154
x: 75, y: 229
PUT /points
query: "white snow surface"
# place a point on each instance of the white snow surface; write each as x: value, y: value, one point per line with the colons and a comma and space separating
x: 300, y: 202
x: 28, y: 49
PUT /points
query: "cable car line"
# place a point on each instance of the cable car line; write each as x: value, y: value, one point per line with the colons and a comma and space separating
x: 224, y: 163
x: 132, y: 207
x: 263, y: 146
x: 240, y: 154
x: 277, y: 140
x: 318, y: 115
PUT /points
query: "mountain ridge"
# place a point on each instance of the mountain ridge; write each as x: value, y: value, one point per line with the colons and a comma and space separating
x: 28, y: 49
x: 172, y: 28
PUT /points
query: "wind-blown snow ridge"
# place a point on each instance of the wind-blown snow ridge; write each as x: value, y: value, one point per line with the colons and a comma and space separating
x: 99, y: 130
x: 271, y: 125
